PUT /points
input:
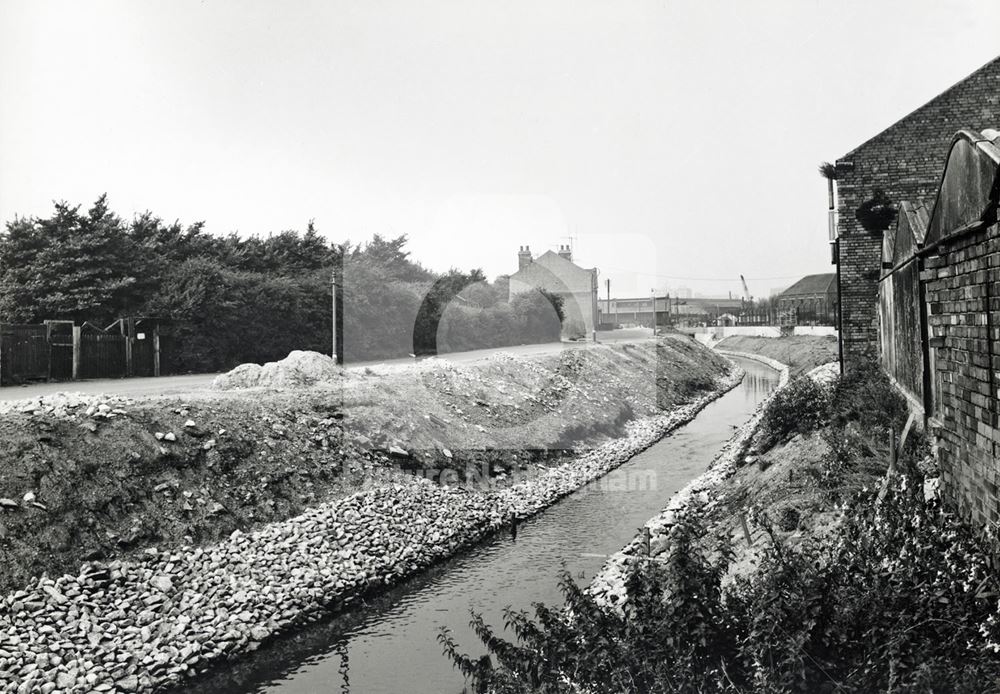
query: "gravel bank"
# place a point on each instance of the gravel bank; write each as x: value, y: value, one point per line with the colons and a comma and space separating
x: 151, y: 622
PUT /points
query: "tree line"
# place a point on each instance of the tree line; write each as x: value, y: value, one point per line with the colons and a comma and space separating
x: 226, y: 299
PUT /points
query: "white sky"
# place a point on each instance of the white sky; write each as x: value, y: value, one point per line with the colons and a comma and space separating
x: 672, y: 139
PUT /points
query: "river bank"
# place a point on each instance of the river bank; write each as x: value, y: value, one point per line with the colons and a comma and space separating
x: 800, y: 352
x: 608, y: 586
x: 152, y: 620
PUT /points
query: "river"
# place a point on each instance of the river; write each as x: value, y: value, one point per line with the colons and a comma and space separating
x: 389, y: 645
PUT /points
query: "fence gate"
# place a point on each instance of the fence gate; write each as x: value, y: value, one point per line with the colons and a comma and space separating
x: 60, y: 338
x: 102, y: 354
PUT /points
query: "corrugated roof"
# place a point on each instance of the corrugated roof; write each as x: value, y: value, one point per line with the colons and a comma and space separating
x: 812, y: 284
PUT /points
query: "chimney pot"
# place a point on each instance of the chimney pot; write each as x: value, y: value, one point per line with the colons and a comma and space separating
x: 523, y: 257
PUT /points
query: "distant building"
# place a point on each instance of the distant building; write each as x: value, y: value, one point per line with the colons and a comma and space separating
x: 670, y: 310
x: 558, y: 274
x: 813, y: 299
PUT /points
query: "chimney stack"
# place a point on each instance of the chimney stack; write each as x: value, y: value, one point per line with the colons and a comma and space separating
x: 523, y: 257
x: 565, y: 252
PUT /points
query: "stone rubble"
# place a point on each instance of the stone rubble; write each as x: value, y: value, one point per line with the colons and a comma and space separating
x: 299, y: 368
x: 150, y: 622
x: 71, y: 406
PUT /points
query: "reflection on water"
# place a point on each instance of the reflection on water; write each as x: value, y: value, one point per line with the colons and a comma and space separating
x: 756, y: 385
x: 389, y: 644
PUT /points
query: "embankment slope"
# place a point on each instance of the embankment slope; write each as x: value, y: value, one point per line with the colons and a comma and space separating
x: 90, y: 478
x: 800, y: 352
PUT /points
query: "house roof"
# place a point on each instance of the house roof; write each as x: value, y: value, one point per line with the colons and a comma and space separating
x: 551, y: 259
x: 812, y: 284
x: 554, y: 263
x: 915, y: 113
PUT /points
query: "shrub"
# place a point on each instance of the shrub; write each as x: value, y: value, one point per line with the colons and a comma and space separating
x: 789, y: 519
x: 902, y: 601
x: 865, y: 395
x: 672, y: 638
x: 798, y: 408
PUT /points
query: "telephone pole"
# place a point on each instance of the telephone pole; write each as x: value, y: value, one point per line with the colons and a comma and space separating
x: 607, y: 282
x: 333, y: 311
x: 652, y: 297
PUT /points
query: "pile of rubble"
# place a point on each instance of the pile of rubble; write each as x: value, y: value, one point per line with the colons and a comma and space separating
x: 296, y: 370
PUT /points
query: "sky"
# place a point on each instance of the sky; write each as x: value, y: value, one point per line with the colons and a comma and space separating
x: 673, y: 144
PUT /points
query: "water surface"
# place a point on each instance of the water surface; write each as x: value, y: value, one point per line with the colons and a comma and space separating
x: 389, y: 645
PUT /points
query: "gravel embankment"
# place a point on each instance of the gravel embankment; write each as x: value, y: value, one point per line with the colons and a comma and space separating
x: 800, y: 352
x: 149, y: 623
x: 608, y: 586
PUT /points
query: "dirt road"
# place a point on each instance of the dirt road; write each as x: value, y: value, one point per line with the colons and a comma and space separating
x: 172, y: 385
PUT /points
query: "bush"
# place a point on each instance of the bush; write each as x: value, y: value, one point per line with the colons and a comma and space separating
x: 789, y: 519
x: 801, y: 407
x: 866, y: 396
x: 672, y: 639
x: 903, y: 601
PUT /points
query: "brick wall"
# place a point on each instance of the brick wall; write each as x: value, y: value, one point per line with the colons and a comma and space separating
x: 905, y: 161
x: 962, y: 285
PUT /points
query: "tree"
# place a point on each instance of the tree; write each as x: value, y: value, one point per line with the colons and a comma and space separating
x: 69, y: 266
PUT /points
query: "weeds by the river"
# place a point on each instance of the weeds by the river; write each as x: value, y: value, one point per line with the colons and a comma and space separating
x: 902, y: 597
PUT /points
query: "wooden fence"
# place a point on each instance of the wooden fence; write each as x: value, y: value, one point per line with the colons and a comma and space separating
x: 902, y: 304
x: 60, y: 351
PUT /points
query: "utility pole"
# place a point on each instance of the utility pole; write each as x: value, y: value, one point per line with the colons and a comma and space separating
x: 333, y: 311
x: 614, y: 323
x: 652, y: 296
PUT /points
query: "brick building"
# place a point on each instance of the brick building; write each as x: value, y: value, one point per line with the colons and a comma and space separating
x: 557, y: 273
x: 813, y: 299
x: 905, y: 162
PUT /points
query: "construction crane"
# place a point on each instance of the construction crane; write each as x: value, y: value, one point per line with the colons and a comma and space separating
x: 747, y: 299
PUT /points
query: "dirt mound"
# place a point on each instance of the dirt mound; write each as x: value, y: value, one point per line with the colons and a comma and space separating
x: 296, y: 370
